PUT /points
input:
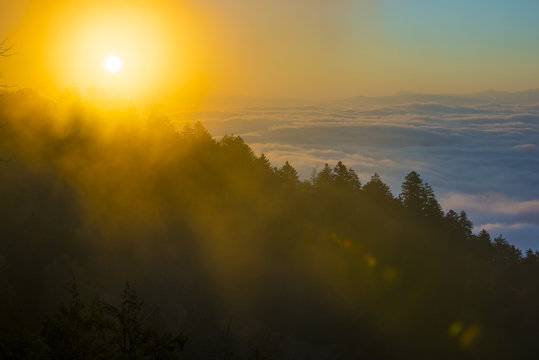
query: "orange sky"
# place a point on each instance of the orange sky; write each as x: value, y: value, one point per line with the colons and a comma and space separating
x: 302, y: 49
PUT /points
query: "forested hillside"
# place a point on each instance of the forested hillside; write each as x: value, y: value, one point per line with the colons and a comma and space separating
x: 233, y: 257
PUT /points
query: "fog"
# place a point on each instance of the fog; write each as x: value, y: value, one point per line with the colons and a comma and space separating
x: 453, y: 139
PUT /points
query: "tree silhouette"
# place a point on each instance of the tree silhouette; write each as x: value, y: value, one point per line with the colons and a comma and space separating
x: 288, y: 174
x: 4, y: 51
x: 418, y: 197
x: 103, y: 331
x: 375, y: 189
x: 346, y: 178
x: 210, y: 232
x: 4, y: 48
x: 324, y: 178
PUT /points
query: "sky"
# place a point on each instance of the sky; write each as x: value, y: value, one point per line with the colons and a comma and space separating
x: 319, y: 49
x: 325, y: 52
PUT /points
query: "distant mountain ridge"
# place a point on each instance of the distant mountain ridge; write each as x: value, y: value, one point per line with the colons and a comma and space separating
x: 489, y: 96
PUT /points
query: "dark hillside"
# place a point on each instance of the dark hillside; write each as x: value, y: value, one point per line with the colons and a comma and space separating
x: 233, y: 257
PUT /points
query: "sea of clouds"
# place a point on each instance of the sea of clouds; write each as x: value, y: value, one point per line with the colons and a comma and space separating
x: 479, y: 152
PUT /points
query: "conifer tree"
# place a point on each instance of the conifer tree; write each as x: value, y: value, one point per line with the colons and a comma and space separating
x: 376, y: 189
x: 324, y: 177
x: 288, y: 174
x: 346, y: 178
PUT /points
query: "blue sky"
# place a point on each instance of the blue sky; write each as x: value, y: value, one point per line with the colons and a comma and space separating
x: 468, y: 25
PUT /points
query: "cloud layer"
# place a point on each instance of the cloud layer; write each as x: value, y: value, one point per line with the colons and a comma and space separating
x: 479, y: 153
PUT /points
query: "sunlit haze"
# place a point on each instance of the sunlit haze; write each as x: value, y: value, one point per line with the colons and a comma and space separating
x: 269, y: 179
x: 299, y: 49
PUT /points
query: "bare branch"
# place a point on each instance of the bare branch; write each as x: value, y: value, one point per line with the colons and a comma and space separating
x: 5, y: 49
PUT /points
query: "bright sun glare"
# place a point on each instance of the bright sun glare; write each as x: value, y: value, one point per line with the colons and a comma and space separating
x: 115, y: 47
x: 113, y: 64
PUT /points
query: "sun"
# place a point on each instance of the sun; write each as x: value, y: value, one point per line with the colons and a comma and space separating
x: 117, y: 48
x: 113, y: 64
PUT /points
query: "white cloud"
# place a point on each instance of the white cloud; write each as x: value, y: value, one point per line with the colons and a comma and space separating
x: 525, y: 146
x: 502, y: 226
x: 490, y: 203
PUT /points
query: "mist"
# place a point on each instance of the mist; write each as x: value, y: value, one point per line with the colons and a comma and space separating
x: 242, y: 258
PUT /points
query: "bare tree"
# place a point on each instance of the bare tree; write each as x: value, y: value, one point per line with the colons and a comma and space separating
x: 4, y: 51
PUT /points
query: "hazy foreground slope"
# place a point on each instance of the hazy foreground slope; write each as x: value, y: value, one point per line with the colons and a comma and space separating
x: 244, y: 258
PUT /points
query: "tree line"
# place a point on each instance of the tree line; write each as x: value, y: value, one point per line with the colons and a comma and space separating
x: 239, y: 258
